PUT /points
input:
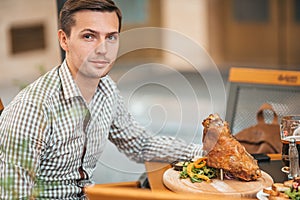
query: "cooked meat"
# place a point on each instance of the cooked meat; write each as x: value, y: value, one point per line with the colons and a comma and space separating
x: 225, y: 152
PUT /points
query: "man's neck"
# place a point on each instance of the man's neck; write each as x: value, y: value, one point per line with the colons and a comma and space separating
x: 87, y: 87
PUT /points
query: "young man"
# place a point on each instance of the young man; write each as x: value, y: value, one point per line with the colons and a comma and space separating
x: 53, y: 132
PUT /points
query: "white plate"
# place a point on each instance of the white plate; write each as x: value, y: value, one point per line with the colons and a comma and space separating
x: 261, y: 195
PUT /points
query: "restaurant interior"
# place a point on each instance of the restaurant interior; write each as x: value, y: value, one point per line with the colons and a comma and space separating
x: 178, y: 62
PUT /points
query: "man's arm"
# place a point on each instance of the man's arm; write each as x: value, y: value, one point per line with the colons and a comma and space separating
x: 21, y: 140
x: 139, y: 145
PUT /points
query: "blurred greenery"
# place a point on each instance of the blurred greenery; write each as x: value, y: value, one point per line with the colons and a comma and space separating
x: 21, y: 84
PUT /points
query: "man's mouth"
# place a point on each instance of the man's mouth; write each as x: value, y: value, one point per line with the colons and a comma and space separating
x: 100, y: 62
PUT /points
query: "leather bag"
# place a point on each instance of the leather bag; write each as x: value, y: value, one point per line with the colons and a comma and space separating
x: 262, y: 137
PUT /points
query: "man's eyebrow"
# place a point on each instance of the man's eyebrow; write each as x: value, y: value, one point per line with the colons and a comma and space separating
x: 96, y: 32
x: 89, y: 30
x: 112, y: 33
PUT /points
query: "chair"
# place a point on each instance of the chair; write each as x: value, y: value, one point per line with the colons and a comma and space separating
x: 1, y: 106
x: 249, y: 88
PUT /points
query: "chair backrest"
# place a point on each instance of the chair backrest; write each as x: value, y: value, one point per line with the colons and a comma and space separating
x: 249, y: 88
x: 123, y: 193
x: 1, y: 106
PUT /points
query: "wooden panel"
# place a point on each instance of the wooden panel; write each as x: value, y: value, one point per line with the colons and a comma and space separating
x: 269, y: 43
x: 153, y: 19
x: 216, y: 30
x: 292, y: 34
x: 252, y: 43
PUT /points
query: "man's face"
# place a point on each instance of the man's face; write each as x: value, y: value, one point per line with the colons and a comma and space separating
x: 93, y: 44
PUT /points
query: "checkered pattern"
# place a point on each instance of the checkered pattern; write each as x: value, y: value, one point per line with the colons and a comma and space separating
x: 42, y: 135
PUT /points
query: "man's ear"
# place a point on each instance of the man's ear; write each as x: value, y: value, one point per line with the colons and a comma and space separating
x: 62, y: 37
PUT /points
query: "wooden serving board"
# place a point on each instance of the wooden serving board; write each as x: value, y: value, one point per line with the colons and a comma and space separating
x: 234, y: 188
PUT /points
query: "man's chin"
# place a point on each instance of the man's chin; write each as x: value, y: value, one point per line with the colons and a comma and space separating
x: 106, y: 71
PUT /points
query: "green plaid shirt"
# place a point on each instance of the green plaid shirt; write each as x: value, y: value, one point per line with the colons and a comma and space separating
x: 44, y: 130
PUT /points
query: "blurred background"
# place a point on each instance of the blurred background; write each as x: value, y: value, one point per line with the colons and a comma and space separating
x: 165, y: 89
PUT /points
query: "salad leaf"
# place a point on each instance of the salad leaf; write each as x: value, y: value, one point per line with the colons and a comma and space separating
x: 198, y: 174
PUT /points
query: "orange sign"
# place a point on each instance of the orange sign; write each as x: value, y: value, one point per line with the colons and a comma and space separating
x: 265, y: 76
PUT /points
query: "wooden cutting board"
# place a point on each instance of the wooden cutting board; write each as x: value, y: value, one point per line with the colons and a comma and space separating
x: 234, y: 188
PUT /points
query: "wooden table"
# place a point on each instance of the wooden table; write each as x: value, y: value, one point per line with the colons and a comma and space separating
x: 155, y: 171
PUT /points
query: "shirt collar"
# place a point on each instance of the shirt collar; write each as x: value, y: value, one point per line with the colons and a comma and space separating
x: 69, y: 87
x: 106, y: 86
x: 71, y: 90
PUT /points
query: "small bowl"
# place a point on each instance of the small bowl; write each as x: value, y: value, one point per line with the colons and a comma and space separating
x: 285, y: 169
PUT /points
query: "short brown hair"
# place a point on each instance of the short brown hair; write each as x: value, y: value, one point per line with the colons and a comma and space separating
x: 66, y: 16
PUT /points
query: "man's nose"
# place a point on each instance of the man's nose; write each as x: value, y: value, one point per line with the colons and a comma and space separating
x: 101, y: 47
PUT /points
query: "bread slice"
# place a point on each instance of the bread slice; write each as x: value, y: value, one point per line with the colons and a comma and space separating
x: 280, y: 187
x: 288, y: 183
x: 270, y: 192
x: 284, y: 195
x: 277, y: 198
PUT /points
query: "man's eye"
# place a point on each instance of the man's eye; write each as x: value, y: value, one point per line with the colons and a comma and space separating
x: 113, y: 37
x: 88, y: 36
